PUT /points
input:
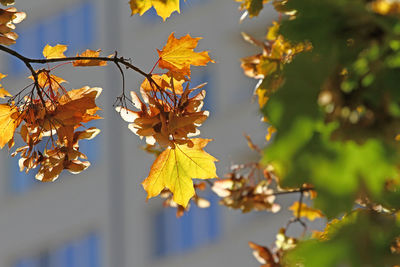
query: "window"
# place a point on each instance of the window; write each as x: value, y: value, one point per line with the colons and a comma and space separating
x: 83, y: 252
x: 194, y: 229
x: 74, y: 27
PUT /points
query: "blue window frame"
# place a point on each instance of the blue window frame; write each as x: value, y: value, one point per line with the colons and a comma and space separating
x: 75, y: 27
x: 194, y: 229
x: 82, y: 252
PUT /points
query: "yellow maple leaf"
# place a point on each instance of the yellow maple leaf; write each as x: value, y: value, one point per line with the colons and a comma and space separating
x: 305, y: 211
x: 57, y: 51
x: 8, y: 123
x: 177, y: 55
x: 175, y: 168
x: 164, y: 8
x: 89, y: 62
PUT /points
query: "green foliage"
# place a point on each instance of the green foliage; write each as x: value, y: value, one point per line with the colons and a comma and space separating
x: 360, y: 239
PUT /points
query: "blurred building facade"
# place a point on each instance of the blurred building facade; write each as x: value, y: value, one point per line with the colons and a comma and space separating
x: 99, y: 218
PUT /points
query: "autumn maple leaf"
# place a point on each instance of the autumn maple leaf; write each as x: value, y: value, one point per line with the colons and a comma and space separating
x: 178, y: 55
x: 302, y: 210
x: 175, y: 168
x: 164, y: 8
x: 56, y: 51
x: 8, y: 123
x: 89, y: 62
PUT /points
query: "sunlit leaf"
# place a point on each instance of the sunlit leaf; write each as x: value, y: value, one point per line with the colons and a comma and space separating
x: 57, y: 51
x: 178, y: 55
x: 7, y: 2
x: 8, y: 17
x: 175, y: 168
x: 164, y: 8
x: 8, y: 123
x: 164, y: 82
x: 89, y: 62
x: 305, y: 211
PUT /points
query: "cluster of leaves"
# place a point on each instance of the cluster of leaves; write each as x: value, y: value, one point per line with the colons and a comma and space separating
x: 9, y: 17
x: 50, y: 120
x: 168, y: 117
x: 164, y: 8
x: 335, y: 109
x: 247, y: 187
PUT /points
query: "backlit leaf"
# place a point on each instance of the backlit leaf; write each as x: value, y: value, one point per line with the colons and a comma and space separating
x: 164, y: 8
x: 4, y: 93
x: 9, y: 17
x: 305, y: 211
x: 57, y: 51
x: 178, y: 55
x: 8, y: 123
x: 7, y: 2
x: 175, y: 168
x: 89, y: 62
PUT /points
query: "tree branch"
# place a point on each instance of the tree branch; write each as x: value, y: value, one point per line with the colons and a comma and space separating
x: 117, y: 60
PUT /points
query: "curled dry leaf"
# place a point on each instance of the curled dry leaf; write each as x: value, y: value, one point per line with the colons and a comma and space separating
x: 245, y: 192
x: 267, y: 66
x: 55, y: 122
x: 9, y: 17
x: 164, y: 117
x: 263, y: 255
x: 196, y: 199
x: 253, y: 7
x: 7, y: 2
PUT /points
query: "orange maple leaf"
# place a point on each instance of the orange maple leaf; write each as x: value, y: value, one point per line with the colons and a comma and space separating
x: 178, y: 54
x: 89, y: 62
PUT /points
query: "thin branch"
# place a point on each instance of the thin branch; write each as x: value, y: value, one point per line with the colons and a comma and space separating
x: 116, y: 60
